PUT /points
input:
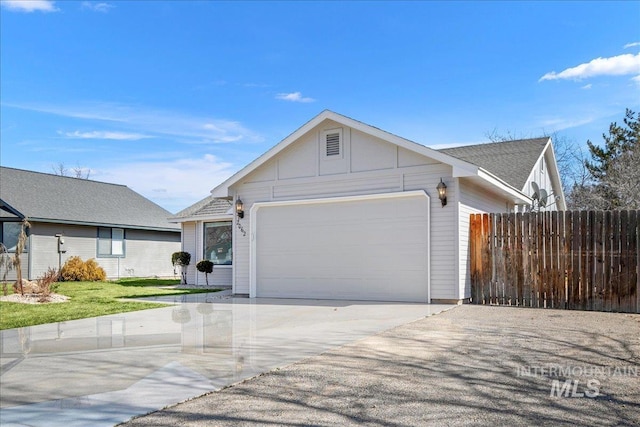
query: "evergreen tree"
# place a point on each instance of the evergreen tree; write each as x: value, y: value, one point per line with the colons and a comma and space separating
x: 614, y: 169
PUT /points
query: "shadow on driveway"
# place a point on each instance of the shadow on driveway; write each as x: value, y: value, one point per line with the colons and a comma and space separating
x: 473, y: 365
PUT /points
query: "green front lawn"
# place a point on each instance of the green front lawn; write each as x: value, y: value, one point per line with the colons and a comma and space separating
x: 88, y: 299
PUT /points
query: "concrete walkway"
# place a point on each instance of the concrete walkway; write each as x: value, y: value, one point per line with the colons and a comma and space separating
x: 103, y: 371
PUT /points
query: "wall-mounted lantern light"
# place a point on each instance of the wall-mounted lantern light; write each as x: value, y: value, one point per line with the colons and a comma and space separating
x: 239, y: 208
x: 442, y: 192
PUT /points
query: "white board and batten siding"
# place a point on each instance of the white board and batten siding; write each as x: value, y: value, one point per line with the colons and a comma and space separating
x: 366, y: 165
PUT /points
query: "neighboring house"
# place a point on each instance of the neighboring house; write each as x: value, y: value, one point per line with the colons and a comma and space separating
x: 127, y: 234
x: 343, y: 210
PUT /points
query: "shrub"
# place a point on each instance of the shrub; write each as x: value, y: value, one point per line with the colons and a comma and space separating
x: 76, y: 270
x: 205, y: 266
x: 181, y: 259
x: 47, y: 284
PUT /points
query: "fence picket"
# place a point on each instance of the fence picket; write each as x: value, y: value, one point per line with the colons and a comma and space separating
x: 624, y: 262
x: 634, y: 261
x: 575, y: 254
x: 607, y: 259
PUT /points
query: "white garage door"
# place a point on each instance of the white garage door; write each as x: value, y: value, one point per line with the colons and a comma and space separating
x: 372, y: 248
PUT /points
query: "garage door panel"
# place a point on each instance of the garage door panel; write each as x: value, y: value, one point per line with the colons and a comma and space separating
x: 371, y: 249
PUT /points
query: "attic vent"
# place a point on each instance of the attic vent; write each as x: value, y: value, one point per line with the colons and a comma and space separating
x: 333, y: 144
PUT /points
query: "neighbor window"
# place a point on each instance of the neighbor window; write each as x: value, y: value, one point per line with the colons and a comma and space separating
x: 217, y: 242
x: 110, y: 242
x: 9, y: 233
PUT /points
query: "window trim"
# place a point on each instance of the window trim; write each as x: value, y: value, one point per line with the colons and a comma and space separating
x: 27, y: 232
x: 203, y: 247
x: 110, y: 238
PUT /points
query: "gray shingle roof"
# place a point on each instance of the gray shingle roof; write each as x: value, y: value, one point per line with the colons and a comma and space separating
x: 511, y: 161
x: 46, y: 197
x: 209, y: 206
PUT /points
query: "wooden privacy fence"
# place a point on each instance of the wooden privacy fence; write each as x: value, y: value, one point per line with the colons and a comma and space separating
x: 583, y: 260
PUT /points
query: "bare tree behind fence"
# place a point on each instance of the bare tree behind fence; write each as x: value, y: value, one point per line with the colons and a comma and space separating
x: 582, y: 260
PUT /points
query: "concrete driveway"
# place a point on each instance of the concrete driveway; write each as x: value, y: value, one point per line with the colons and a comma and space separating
x: 105, y: 370
x: 473, y: 365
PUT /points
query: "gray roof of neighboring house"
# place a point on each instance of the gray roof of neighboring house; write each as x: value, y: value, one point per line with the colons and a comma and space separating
x: 209, y: 206
x: 52, y: 198
x: 511, y: 161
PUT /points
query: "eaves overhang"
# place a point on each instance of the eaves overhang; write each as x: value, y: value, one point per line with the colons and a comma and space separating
x: 8, y: 208
x: 103, y: 224
x: 516, y: 195
x: 201, y: 218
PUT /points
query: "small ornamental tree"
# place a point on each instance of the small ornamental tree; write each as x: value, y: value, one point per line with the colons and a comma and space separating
x: 205, y: 266
x: 6, y: 264
x: 182, y: 260
x: 22, y: 243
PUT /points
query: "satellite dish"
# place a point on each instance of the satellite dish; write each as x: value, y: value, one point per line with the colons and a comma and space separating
x: 536, y: 190
x: 543, y: 197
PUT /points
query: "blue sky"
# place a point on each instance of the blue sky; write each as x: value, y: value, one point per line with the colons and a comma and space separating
x: 170, y: 98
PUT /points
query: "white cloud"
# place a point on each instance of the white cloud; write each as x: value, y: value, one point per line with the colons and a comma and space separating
x: 173, y: 184
x: 97, y: 7
x: 613, y: 66
x: 30, y: 5
x: 587, y: 86
x: 294, y: 97
x: 138, y: 120
x: 99, y: 134
x: 561, y: 123
x: 628, y: 45
x: 636, y: 79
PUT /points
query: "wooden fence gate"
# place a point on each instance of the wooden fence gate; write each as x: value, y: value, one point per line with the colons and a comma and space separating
x: 583, y: 260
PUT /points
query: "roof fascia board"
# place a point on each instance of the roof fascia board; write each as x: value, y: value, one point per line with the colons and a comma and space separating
x: 99, y: 224
x: 461, y: 167
x: 497, y: 182
x: 8, y: 208
x: 201, y: 218
x: 555, y: 173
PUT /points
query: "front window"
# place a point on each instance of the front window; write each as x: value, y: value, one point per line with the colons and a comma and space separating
x: 217, y: 242
x: 9, y: 234
x: 110, y: 242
